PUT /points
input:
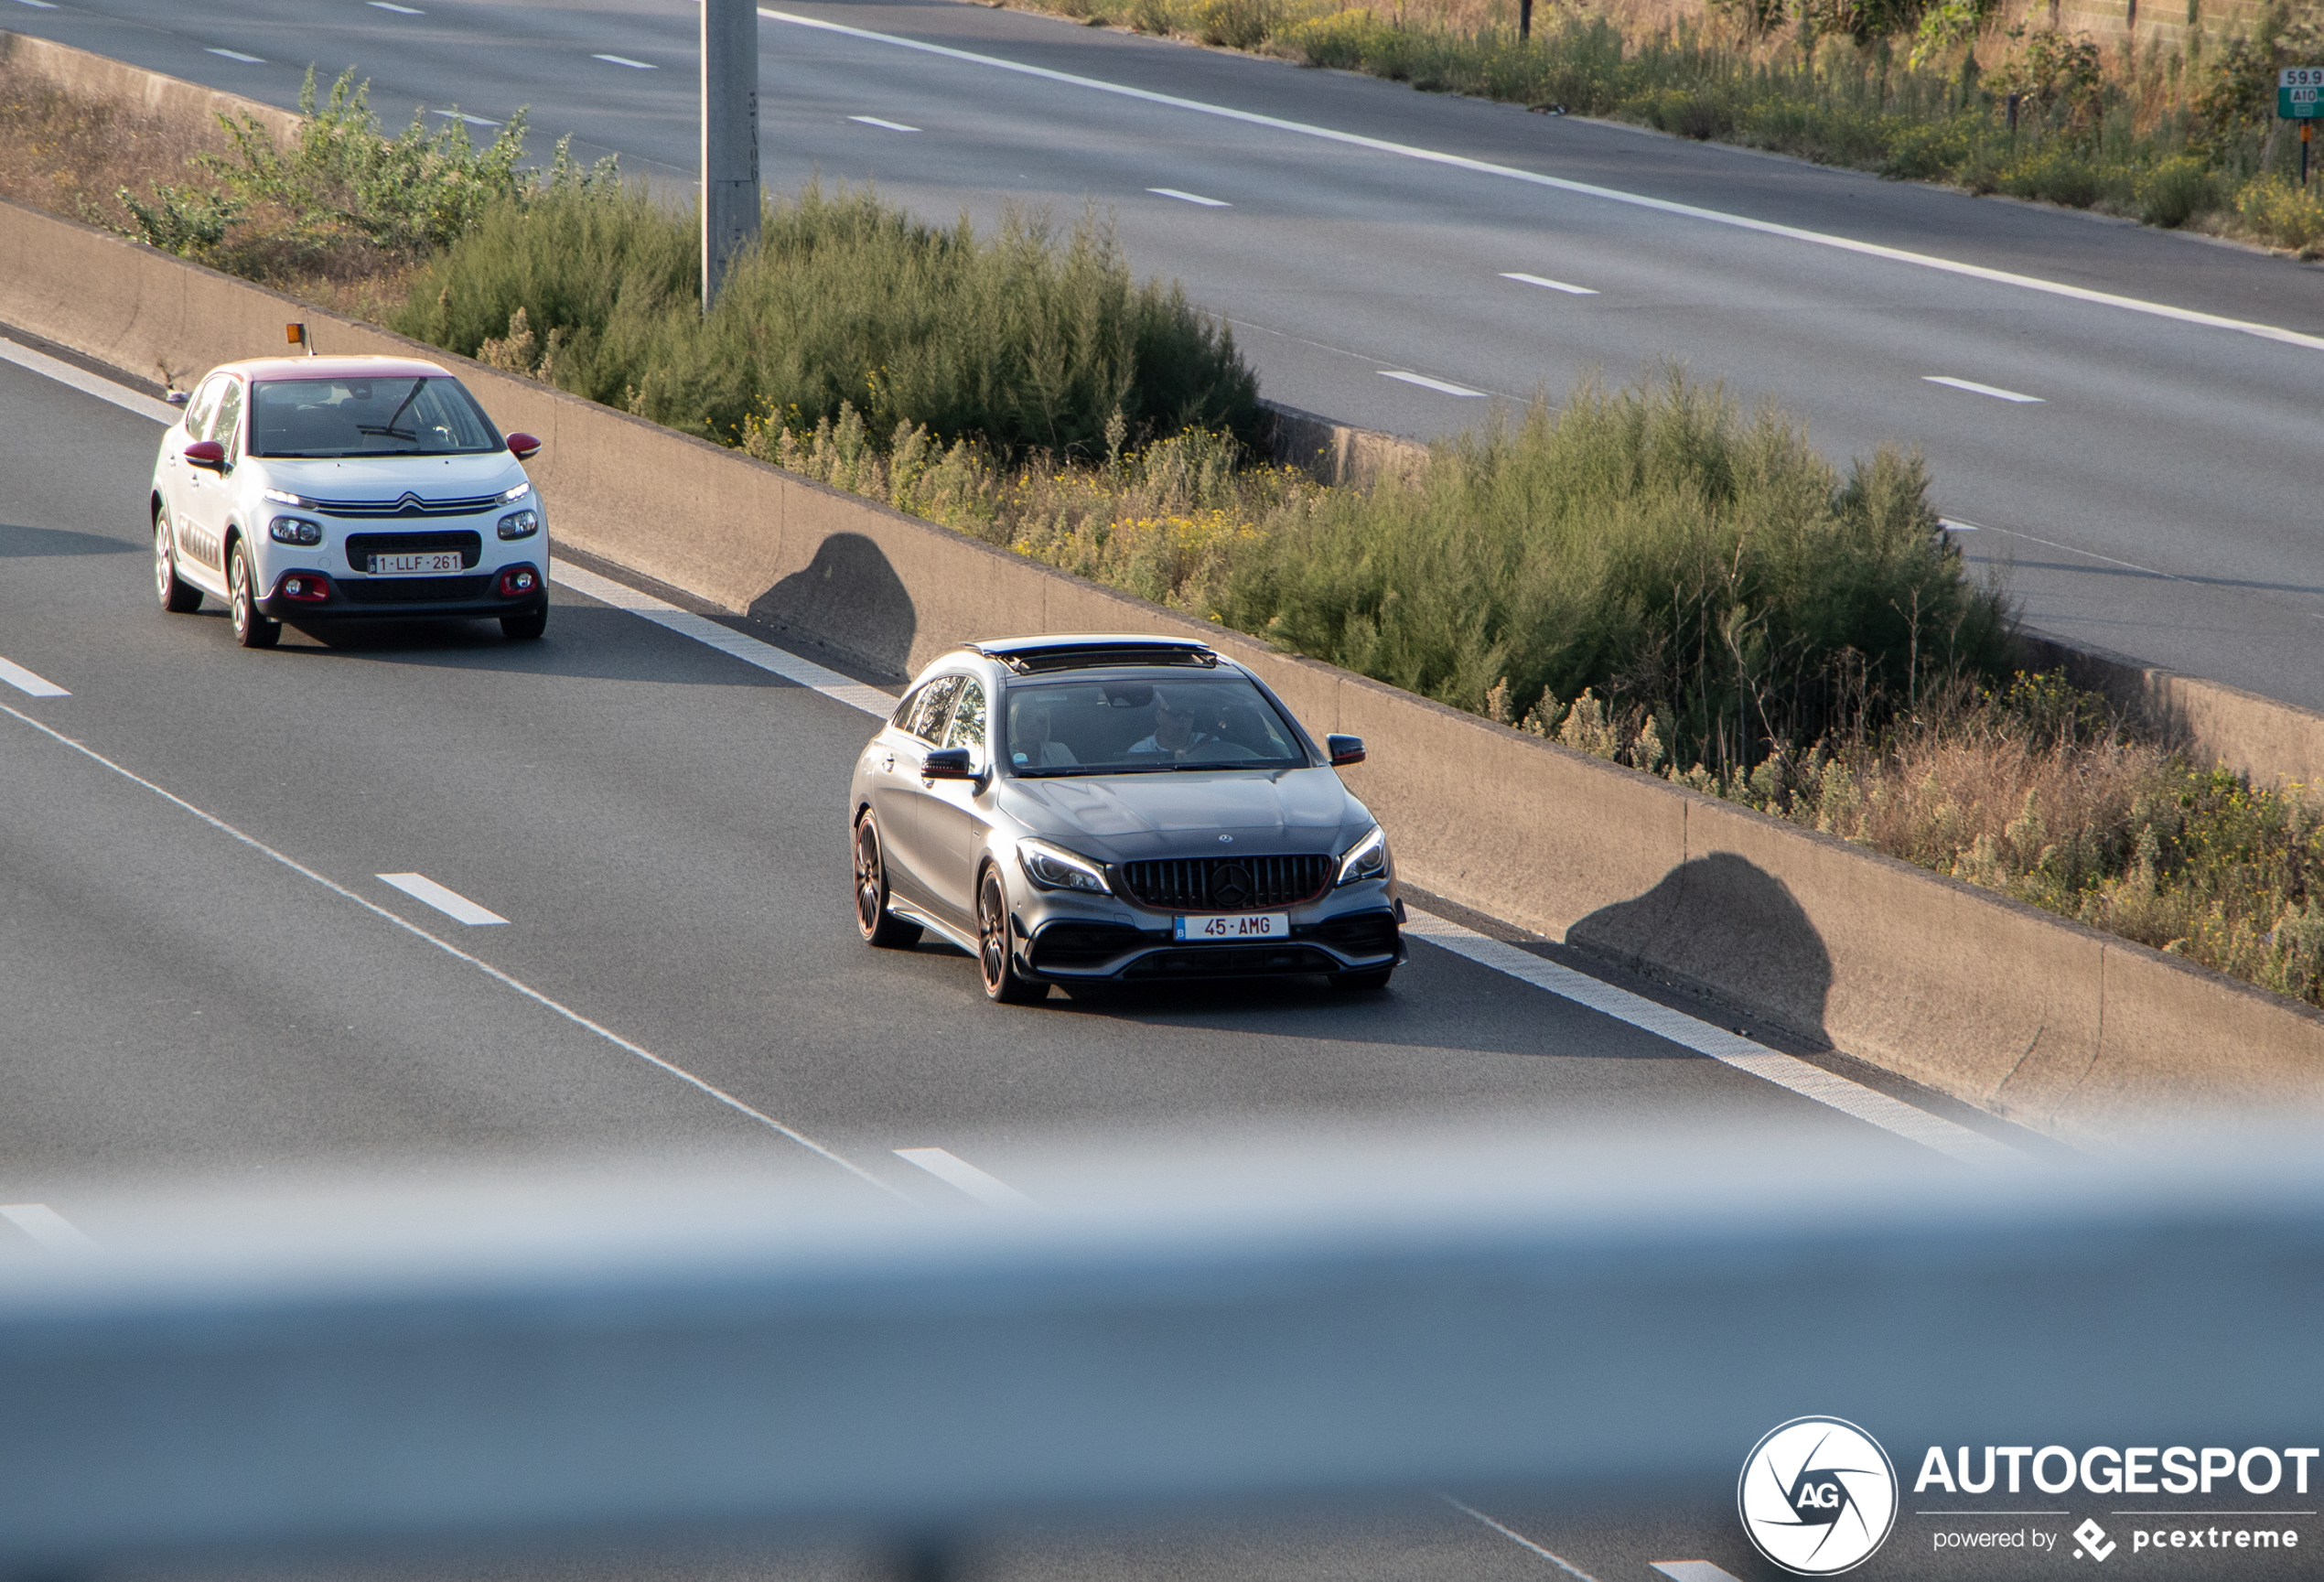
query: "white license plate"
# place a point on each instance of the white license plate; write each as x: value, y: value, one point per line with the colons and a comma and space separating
x: 434, y: 563
x: 1232, y: 926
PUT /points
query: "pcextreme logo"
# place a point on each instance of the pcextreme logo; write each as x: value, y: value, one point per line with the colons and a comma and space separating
x: 1817, y: 1496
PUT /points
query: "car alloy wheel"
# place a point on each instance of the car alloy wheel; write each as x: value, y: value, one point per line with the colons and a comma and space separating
x: 179, y: 596
x: 878, y: 926
x: 251, y: 630
x: 994, y: 960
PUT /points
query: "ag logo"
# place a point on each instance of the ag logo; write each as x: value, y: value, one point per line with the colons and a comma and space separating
x: 1817, y: 1496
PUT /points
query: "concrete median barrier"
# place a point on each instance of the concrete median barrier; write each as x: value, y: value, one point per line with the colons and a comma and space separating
x: 2087, y: 1038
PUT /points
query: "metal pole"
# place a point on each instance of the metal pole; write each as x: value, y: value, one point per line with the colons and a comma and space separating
x: 729, y: 137
x: 2307, y: 130
x: 1524, y: 19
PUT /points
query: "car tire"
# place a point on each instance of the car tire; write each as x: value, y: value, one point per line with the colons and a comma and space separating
x: 251, y: 630
x: 1370, y: 983
x: 996, y: 961
x: 179, y: 596
x: 881, y: 928
x: 526, y: 627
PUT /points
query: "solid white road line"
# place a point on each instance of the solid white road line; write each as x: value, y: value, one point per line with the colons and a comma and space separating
x: 1973, y: 388
x: 1520, y: 1539
x: 88, y: 383
x: 624, y: 61
x: 890, y: 125
x: 1810, y: 1082
x: 709, y: 633
x: 238, y: 55
x: 48, y: 1227
x: 1547, y: 284
x: 1692, y: 1571
x: 955, y: 1171
x: 23, y: 680
x: 1191, y: 198
x: 451, y: 903
x: 1559, y: 183
x: 487, y: 968
x: 1425, y: 382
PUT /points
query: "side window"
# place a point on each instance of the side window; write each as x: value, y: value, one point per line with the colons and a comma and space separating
x: 936, y: 701
x: 229, y: 416
x: 204, y: 406
x: 968, y: 721
x: 902, y: 718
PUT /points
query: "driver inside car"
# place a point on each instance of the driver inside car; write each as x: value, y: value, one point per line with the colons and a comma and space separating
x: 1174, y: 731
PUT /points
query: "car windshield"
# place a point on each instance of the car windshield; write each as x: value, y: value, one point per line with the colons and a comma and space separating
x: 1136, y: 726
x: 328, y: 417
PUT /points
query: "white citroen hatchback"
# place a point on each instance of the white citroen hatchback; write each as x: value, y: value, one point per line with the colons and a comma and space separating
x: 326, y: 489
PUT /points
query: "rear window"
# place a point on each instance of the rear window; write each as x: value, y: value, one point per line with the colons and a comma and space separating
x: 335, y: 417
x: 1127, y: 727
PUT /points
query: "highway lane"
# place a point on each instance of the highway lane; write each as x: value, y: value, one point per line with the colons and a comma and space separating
x: 2151, y: 500
x: 660, y: 825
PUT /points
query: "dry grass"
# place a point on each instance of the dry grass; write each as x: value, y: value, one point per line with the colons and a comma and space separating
x: 66, y: 157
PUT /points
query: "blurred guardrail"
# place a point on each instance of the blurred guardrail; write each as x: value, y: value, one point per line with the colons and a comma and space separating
x: 482, y: 1360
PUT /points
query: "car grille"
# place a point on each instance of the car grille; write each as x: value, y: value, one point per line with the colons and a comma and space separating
x: 414, y: 589
x: 1226, y: 883
x: 1358, y: 934
x: 361, y: 546
x: 1067, y: 943
x: 1231, y: 962
x: 409, y: 505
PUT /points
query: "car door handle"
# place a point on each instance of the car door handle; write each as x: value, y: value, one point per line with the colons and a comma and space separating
x: 891, y: 763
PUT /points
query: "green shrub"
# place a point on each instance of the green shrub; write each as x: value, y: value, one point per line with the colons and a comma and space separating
x: 1023, y: 339
x: 2176, y: 191
x: 2281, y: 213
x: 1687, y: 564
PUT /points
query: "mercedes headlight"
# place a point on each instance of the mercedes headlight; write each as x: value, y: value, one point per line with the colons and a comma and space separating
x: 1367, y: 859
x: 1055, y: 868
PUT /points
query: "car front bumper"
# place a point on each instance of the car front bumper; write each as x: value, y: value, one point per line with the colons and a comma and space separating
x: 1065, y: 943
x: 465, y: 596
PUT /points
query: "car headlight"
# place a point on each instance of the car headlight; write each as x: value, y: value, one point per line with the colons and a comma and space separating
x: 285, y: 497
x: 520, y: 524
x: 1055, y: 868
x: 295, y: 530
x: 511, y: 496
x: 1367, y: 859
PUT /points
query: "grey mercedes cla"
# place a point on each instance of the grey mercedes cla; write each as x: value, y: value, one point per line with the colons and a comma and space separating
x: 1078, y: 810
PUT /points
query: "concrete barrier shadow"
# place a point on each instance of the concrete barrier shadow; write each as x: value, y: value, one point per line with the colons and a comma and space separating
x: 1713, y: 921
x: 849, y: 587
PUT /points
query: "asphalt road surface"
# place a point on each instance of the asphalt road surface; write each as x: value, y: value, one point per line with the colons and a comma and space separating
x: 202, y: 969
x: 2142, y: 479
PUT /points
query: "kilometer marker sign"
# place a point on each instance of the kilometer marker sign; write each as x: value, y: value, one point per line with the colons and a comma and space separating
x: 2299, y: 93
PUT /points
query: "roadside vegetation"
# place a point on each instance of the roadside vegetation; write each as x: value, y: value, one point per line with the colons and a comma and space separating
x: 1653, y: 575
x: 1982, y: 94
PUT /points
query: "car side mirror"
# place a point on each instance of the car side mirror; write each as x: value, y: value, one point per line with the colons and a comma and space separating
x: 1344, y: 750
x: 523, y: 446
x: 947, y: 763
x: 207, y: 453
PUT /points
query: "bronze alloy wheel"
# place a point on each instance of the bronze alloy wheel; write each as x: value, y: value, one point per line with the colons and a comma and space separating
x: 251, y: 630
x: 872, y: 920
x: 996, y: 961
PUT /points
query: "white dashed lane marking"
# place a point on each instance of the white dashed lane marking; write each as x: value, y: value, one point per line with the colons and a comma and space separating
x: 1190, y: 197
x: 48, y: 1227
x: 957, y: 1172
x: 238, y: 55
x: 1548, y: 284
x: 1973, y: 388
x: 23, y: 681
x: 624, y: 61
x: 451, y: 903
x: 1520, y: 1539
x: 1425, y: 382
x: 888, y: 125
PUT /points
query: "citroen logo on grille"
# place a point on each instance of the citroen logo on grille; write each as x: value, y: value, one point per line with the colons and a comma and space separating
x: 410, y: 505
x: 1230, y: 885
